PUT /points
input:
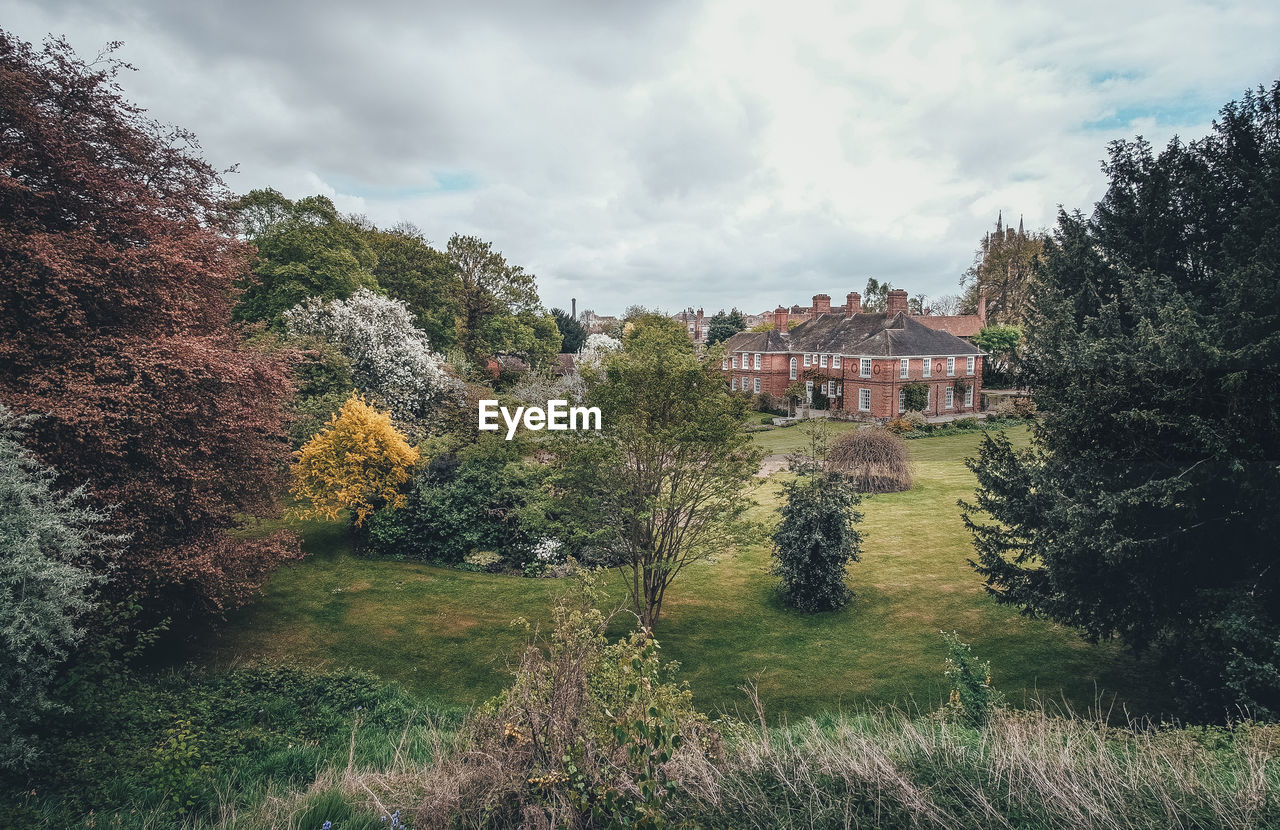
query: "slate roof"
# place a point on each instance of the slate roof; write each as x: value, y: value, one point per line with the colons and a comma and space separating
x: 872, y: 335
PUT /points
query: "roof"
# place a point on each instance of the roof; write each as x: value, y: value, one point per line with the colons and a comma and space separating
x: 565, y: 364
x: 874, y: 335
x: 961, y: 325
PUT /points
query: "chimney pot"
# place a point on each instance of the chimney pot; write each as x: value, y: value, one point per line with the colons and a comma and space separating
x: 780, y: 320
x: 853, y: 303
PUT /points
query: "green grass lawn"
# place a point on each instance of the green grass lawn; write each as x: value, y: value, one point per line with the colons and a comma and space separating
x: 447, y: 633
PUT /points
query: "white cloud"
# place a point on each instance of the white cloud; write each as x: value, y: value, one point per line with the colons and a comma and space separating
x: 730, y: 153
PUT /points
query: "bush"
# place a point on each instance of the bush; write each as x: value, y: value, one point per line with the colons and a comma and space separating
x: 1024, y: 406
x: 915, y: 396
x: 874, y: 459
x: 816, y: 540
x: 972, y: 698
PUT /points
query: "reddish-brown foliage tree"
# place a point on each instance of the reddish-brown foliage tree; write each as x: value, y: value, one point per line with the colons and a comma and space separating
x: 116, y: 286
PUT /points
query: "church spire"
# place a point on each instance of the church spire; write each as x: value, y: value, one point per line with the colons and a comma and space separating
x: 1021, y: 232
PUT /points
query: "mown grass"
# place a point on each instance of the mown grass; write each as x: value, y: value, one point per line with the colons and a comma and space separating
x: 447, y: 633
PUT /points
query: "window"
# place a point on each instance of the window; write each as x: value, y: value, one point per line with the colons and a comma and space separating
x: 745, y: 385
x: 793, y: 368
x: 951, y: 366
x: 864, y: 400
x: 756, y: 386
x: 968, y: 395
x: 865, y: 367
x: 951, y: 397
x: 757, y: 362
x: 839, y: 390
x: 733, y: 384
x: 823, y: 362
x: 724, y: 363
x: 735, y: 361
x: 928, y: 367
x: 904, y: 368
x: 968, y: 369
x: 808, y: 390
x: 806, y: 360
x: 902, y: 398
x: 835, y: 361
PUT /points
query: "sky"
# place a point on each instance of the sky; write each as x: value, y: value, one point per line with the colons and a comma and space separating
x: 683, y: 154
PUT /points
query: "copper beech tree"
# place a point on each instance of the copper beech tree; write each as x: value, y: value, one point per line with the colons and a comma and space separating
x: 116, y: 288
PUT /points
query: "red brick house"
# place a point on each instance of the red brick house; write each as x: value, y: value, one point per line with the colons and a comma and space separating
x: 860, y: 361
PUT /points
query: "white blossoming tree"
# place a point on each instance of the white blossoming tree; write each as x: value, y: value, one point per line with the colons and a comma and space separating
x: 390, y: 357
x: 593, y: 352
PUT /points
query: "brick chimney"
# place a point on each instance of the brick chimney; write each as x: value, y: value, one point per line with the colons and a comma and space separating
x: 780, y: 320
x: 573, y: 307
x: 821, y: 303
x: 697, y: 331
x: 853, y: 303
x: 897, y: 301
x: 982, y: 309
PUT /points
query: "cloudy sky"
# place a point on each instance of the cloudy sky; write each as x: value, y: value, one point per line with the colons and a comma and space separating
x: 678, y: 153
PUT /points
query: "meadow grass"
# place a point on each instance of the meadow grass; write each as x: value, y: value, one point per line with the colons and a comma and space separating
x: 447, y: 633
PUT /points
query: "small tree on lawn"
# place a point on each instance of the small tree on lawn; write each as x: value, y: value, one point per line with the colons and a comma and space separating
x: 816, y: 540
x: 359, y: 462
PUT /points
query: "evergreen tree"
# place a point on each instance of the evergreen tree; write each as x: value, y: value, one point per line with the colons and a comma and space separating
x: 816, y: 540
x: 573, y: 334
x: 1148, y: 505
x: 723, y: 326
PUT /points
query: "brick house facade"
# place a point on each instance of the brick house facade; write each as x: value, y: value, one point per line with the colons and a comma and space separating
x: 860, y: 361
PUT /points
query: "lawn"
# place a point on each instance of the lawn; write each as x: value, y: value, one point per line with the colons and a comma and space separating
x: 448, y: 633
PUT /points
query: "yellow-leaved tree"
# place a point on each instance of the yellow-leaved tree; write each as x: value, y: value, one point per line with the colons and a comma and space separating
x: 358, y: 462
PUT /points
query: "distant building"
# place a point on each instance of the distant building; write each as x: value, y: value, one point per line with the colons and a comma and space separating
x: 696, y: 324
x: 965, y: 326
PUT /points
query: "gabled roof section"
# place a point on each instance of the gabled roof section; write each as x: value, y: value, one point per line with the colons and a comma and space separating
x: 874, y: 335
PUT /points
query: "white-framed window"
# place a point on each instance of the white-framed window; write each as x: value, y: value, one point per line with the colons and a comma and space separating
x: 864, y: 368
x: 823, y: 361
x: 808, y: 390
x: 927, y: 363
x: 839, y: 390
x: 756, y: 386
x: 806, y: 359
x: 793, y: 368
x: 950, y: 399
x: 928, y: 397
x: 835, y: 361
x: 757, y: 362
x: 904, y: 368
x: 745, y: 383
x: 815, y: 359
x: 733, y: 384
x: 951, y: 366
x: 864, y: 400
x: 735, y: 361
x: 902, y: 398
x: 724, y: 363
x: 968, y: 395
x: 968, y: 365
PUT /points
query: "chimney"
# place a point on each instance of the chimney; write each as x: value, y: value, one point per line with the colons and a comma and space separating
x: 853, y: 303
x: 697, y: 331
x: 982, y: 309
x: 780, y: 320
x: 821, y: 303
x: 897, y: 301
x: 573, y: 307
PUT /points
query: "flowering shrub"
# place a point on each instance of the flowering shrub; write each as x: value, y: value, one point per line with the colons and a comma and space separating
x: 591, y: 356
x: 390, y: 356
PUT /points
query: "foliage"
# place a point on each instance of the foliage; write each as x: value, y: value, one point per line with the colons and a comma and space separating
x: 762, y: 326
x: 595, y: 350
x: 50, y: 542
x: 1150, y: 503
x: 972, y: 699
x: 116, y: 329
x: 915, y: 396
x: 1004, y: 271
x: 305, y: 249
x: 493, y: 293
x: 875, y: 297
x: 1003, y: 345
x: 661, y: 486
x: 359, y: 462
x: 816, y: 540
x: 421, y: 277
x: 572, y: 333
x: 487, y: 497
x: 389, y: 356
x: 536, y: 387
x: 722, y: 326
x: 873, y: 459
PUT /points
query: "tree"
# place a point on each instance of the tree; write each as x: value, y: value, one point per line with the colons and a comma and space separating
x: 491, y: 288
x: 816, y: 540
x: 52, y: 548
x: 873, y: 459
x: 875, y: 297
x: 411, y: 271
x: 1004, y: 271
x: 915, y: 396
x: 1149, y: 502
x: 119, y: 277
x: 662, y: 484
x: 305, y: 249
x: 1002, y: 345
x: 723, y: 326
x: 389, y: 356
x: 945, y: 305
x: 359, y: 462
x: 572, y: 333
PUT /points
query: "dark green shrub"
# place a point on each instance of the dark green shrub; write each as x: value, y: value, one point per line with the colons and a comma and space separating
x: 915, y: 397
x: 816, y: 540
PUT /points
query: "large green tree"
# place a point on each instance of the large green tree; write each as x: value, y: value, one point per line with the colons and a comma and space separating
x: 664, y: 482
x: 722, y: 326
x: 493, y: 292
x: 816, y: 539
x: 412, y: 271
x: 1148, y: 505
x: 573, y: 334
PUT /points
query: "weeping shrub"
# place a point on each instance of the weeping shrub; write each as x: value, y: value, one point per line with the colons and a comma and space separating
x: 873, y: 459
